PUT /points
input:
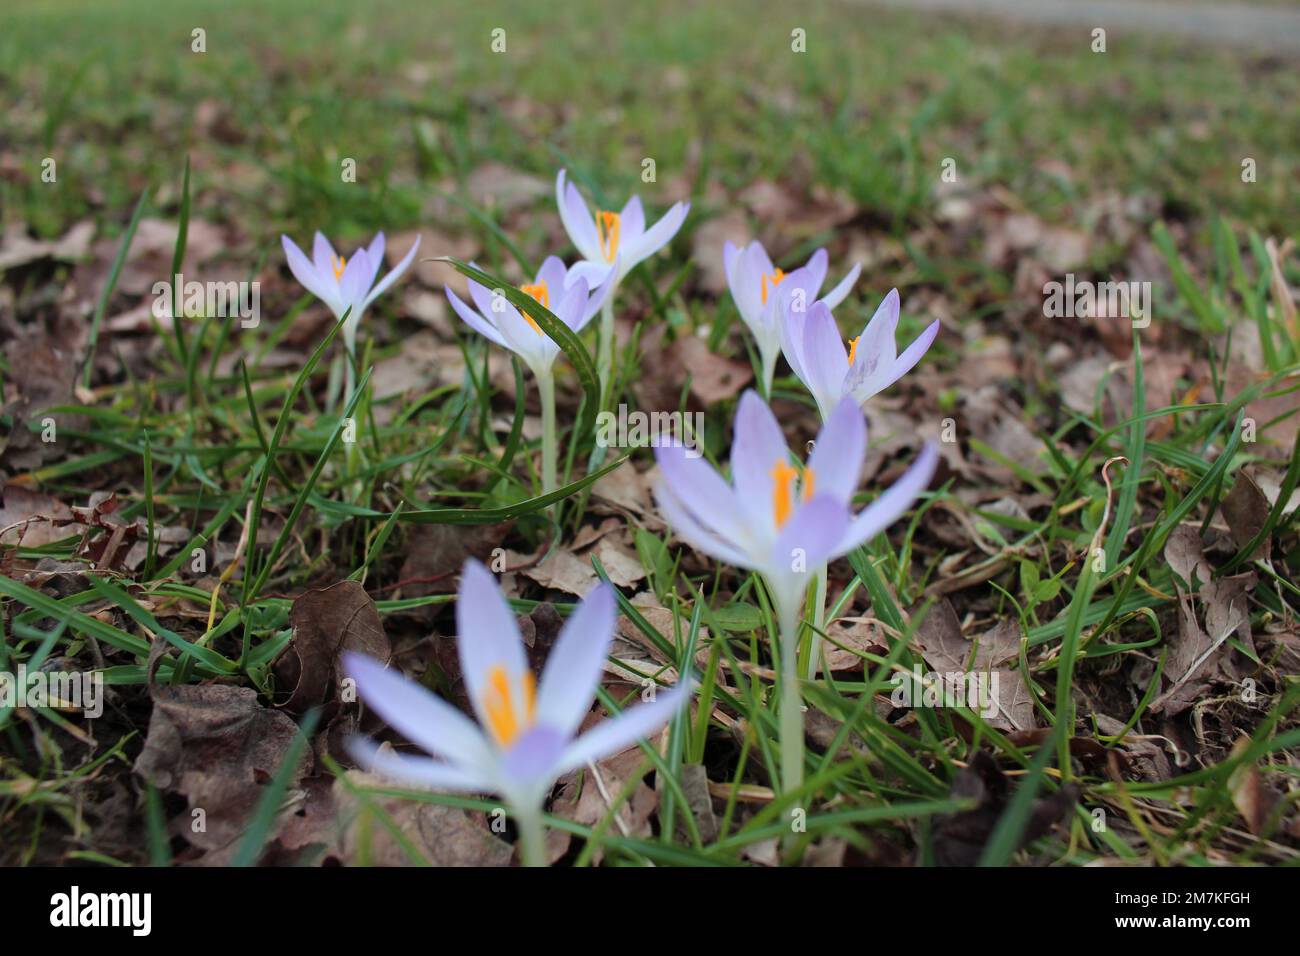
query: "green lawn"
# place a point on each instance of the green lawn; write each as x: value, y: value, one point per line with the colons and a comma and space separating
x: 1123, y: 165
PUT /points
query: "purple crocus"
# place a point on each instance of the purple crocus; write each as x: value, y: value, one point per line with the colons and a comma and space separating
x: 774, y: 518
x: 566, y: 294
x: 526, y: 735
x: 564, y: 291
x: 613, y: 241
x: 869, y: 364
x: 783, y: 522
x: 612, y: 244
x: 764, y: 294
x: 345, y: 284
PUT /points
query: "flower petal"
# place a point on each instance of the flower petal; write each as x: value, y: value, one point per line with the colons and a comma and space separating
x: 577, y: 219
x: 816, y: 265
x: 655, y: 238
x: 474, y: 320
x: 825, y: 359
x: 691, y: 530
x: 695, y: 481
x: 757, y: 445
x: 618, y: 733
x: 417, y: 714
x: 305, y: 272
x: 891, y: 505
x: 631, y: 221
x: 873, y: 361
x: 322, y: 254
x: 841, y: 291
x: 395, y: 273
x: 836, y: 459
x: 417, y: 771
x: 810, y: 537
x: 486, y: 635
x: 573, y: 669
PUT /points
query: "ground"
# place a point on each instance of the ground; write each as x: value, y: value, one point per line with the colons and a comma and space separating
x: 1111, y: 530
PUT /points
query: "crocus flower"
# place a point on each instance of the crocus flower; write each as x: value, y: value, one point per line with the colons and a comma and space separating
x: 869, y: 364
x: 764, y: 293
x: 564, y: 291
x: 774, y: 518
x: 611, y: 245
x: 344, y: 284
x: 526, y: 735
x: 613, y: 241
x: 782, y: 522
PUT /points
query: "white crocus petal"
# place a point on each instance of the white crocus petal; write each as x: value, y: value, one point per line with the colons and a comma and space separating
x: 323, y: 256
x: 809, y: 537
x: 576, y: 661
x: 837, y: 455
x: 873, y: 361
x: 631, y: 221
x: 894, y: 502
x: 487, y: 636
x: 475, y: 321
x: 694, y: 532
x: 419, y: 771
x: 710, y: 496
x: 596, y: 274
x: 323, y: 288
x: 601, y: 284
x: 657, y: 236
x: 817, y: 265
x: 395, y: 273
x: 756, y: 448
x: 417, y: 714
x: 618, y: 733
x: 903, y: 364
x: 577, y: 219
x: 841, y: 291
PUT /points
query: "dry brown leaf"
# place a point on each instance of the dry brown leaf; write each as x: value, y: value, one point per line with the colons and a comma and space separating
x: 442, y: 835
x: 326, y: 623
x: 218, y: 747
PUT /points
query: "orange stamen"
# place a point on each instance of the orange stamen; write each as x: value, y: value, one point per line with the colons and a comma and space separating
x: 853, y: 349
x: 541, y: 294
x: 339, y: 265
x: 775, y: 278
x: 783, y: 477
x: 607, y: 227
x: 504, y: 723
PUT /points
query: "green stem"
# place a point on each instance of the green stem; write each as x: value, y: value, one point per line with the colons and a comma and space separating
x: 819, y: 624
x: 605, y: 359
x: 791, y: 726
x: 532, y: 837
x: 769, y: 373
x: 546, y: 391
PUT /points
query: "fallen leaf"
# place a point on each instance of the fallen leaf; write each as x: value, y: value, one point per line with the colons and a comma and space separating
x: 326, y: 623
x: 218, y: 747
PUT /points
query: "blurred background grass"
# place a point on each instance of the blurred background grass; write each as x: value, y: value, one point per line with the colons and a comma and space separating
x: 712, y: 92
